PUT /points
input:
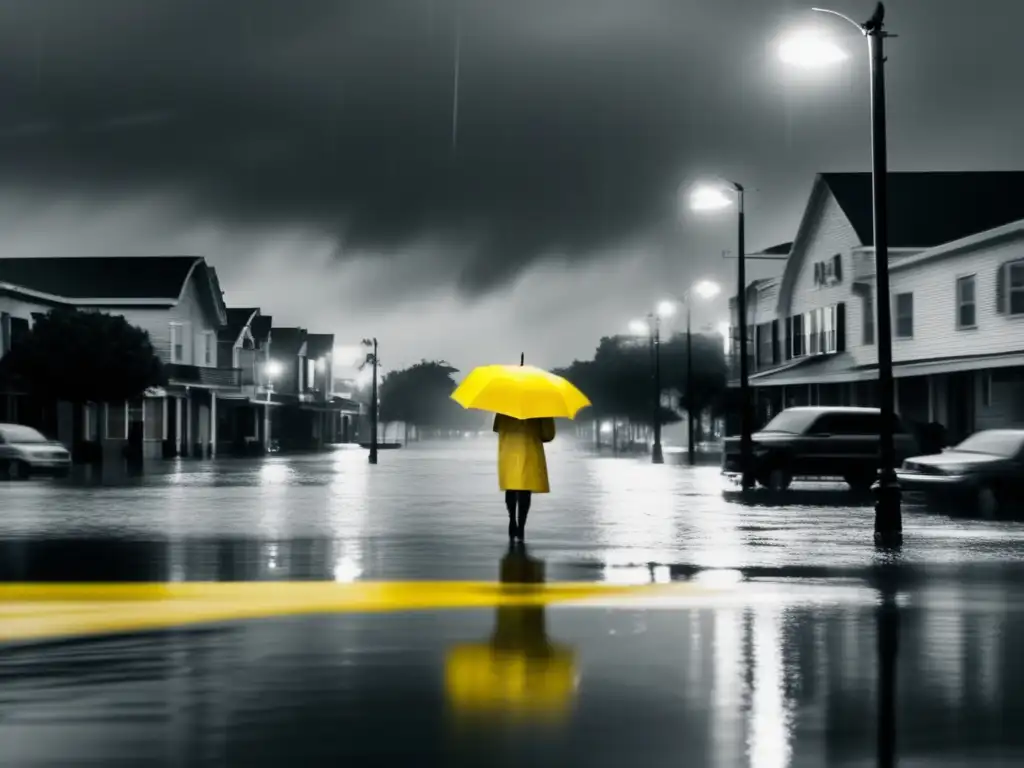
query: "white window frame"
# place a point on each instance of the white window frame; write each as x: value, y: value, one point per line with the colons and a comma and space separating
x: 896, y: 315
x: 177, y: 329
x: 830, y: 331
x: 209, y: 350
x: 1011, y: 289
x: 961, y: 303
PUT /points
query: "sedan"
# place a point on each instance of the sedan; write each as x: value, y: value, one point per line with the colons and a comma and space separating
x: 985, y: 471
x: 25, y: 451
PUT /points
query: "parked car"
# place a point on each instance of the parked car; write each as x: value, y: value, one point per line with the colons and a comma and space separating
x: 985, y: 471
x: 818, y: 443
x: 25, y: 451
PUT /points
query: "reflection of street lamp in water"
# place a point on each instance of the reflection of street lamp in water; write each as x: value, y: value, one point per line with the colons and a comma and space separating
x: 519, y: 673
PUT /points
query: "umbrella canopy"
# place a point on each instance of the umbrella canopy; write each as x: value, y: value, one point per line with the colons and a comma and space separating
x: 520, y: 391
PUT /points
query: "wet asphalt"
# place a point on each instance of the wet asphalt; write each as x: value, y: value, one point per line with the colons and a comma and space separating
x: 820, y: 651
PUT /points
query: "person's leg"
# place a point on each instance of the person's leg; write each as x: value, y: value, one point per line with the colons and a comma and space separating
x: 510, y: 505
x: 525, y: 497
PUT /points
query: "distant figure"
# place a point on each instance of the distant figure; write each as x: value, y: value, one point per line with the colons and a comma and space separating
x: 522, y: 467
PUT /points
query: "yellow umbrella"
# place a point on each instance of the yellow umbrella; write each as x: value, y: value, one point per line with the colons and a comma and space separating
x: 520, y: 391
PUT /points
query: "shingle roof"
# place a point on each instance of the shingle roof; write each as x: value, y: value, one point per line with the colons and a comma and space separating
x: 319, y: 344
x: 931, y: 208
x: 287, y: 341
x: 102, y: 277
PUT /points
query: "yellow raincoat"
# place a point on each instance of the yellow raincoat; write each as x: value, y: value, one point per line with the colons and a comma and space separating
x: 521, y: 462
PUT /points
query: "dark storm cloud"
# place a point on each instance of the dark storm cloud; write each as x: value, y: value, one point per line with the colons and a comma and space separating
x: 577, y: 118
x: 338, y: 114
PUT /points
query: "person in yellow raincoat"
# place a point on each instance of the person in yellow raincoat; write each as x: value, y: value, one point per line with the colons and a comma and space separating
x: 522, y: 466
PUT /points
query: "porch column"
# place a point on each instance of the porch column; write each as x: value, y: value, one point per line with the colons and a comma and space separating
x: 266, y: 428
x: 895, y: 395
x: 256, y: 422
x: 932, y: 406
x: 189, y: 445
x: 177, y: 426
x: 213, y: 425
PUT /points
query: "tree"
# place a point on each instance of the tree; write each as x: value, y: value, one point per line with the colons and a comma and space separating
x: 710, y: 371
x: 619, y: 381
x: 420, y: 396
x: 84, y: 357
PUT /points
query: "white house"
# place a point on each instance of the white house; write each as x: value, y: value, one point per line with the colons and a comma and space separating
x: 178, y: 300
x: 957, y: 283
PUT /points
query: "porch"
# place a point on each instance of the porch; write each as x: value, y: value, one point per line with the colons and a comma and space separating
x: 964, y: 394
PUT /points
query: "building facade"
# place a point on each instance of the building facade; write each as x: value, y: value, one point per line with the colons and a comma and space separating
x: 957, y: 302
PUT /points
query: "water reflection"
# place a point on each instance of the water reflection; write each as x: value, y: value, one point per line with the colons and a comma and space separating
x: 519, y: 673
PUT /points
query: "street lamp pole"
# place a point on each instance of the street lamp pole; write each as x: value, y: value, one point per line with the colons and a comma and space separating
x: 373, y: 408
x: 888, y: 516
x: 746, y: 428
x: 657, y: 457
x: 690, y: 457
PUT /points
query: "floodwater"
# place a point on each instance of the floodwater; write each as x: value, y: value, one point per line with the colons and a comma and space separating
x: 768, y: 634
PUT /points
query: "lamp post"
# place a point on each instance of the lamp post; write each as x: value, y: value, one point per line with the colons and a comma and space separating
x: 373, y: 359
x: 704, y: 289
x: 814, y: 50
x: 710, y: 199
x: 651, y: 327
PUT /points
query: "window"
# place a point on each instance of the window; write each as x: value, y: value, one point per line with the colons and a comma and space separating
x: 812, y: 327
x: 208, y: 348
x: 797, y: 336
x: 1015, y: 283
x: 904, y: 312
x: 177, y: 343
x: 966, y: 304
x: 117, y: 421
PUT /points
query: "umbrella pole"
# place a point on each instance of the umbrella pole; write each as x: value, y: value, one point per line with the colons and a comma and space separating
x: 522, y: 358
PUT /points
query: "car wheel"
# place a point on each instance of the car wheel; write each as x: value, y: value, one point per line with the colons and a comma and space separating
x: 987, y: 503
x: 777, y: 479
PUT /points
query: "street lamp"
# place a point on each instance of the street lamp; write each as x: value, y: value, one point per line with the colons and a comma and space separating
x: 651, y: 327
x: 372, y: 358
x: 817, y: 52
x: 714, y: 198
x: 703, y: 289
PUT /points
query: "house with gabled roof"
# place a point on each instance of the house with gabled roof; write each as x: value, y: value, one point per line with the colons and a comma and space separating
x: 179, y: 302
x: 956, y: 264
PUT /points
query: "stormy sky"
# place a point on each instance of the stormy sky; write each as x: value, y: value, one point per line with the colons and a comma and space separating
x: 306, y: 147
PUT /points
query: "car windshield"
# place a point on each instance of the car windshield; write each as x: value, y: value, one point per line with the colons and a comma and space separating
x: 20, y: 434
x: 995, y: 442
x: 792, y: 422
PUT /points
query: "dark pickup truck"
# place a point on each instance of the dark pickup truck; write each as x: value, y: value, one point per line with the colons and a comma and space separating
x: 818, y: 442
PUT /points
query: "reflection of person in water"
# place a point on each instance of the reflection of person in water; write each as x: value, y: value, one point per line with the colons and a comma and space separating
x: 520, y: 670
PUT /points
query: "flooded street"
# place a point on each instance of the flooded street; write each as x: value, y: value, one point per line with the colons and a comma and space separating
x: 758, y: 635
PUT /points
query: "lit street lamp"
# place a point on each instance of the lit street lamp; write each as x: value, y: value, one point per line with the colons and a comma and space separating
x: 817, y: 51
x: 651, y: 327
x: 373, y: 359
x: 704, y: 289
x: 713, y: 198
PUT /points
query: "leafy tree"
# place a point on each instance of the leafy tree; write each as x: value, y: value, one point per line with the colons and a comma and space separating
x: 84, y: 357
x: 710, y: 371
x: 420, y: 395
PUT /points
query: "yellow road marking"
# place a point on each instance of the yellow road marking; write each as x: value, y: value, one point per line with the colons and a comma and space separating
x: 34, y: 611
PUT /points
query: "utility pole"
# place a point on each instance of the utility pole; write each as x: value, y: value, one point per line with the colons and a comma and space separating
x: 657, y: 457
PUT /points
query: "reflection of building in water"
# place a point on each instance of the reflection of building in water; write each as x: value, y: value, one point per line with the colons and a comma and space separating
x: 519, y: 673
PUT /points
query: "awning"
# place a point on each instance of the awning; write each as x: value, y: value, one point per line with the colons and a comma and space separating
x: 838, y: 369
